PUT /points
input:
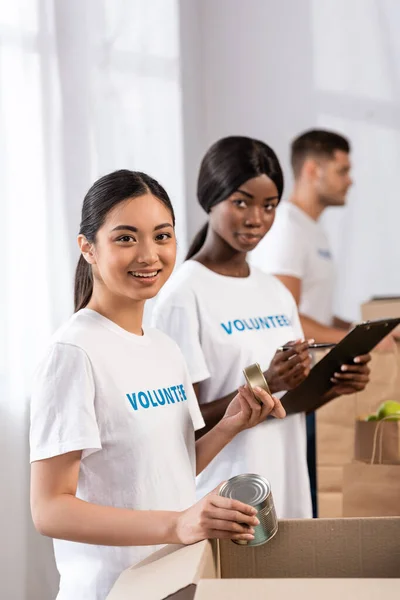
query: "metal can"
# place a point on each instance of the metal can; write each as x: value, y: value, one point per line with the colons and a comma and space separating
x: 255, y: 491
x: 255, y: 378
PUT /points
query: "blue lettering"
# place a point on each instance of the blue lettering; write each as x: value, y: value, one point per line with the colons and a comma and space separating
x: 255, y: 323
x: 144, y: 403
x: 151, y: 399
x: 168, y: 396
x: 324, y: 253
x: 132, y: 400
x: 160, y: 400
x: 182, y: 392
x: 155, y: 398
x: 173, y: 388
x: 228, y: 328
x: 237, y: 323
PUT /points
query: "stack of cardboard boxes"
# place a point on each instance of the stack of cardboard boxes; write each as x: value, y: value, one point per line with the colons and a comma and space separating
x: 337, y: 420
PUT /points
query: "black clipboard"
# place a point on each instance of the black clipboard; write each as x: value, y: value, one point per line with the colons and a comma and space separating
x: 308, y: 396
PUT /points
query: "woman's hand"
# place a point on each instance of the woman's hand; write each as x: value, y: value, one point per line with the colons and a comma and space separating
x: 289, y: 368
x: 351, y: 378
x: 244, y: 411
x: 216, y: 517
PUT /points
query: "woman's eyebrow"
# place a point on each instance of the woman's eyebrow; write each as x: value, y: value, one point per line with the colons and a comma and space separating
x: 245, y: 193
x: 269, y: 199
x: 162, y: 226
x: 135, y: 229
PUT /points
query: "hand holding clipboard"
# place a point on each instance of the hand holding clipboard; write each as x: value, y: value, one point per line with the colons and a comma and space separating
x: 317, y: 389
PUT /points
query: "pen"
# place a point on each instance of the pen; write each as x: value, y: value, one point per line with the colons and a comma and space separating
x: 310, y: 347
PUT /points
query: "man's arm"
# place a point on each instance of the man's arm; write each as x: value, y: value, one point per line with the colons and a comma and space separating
x: 340, y: 324
x: 312, y: 328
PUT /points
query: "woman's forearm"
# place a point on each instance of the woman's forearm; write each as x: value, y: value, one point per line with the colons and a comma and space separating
x: 213, y: 412
x: 209, y: 445
x: 69, y: 518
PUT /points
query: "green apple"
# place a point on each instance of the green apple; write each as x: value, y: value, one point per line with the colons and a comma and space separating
x: 390, y: 408
x: 371, y: 418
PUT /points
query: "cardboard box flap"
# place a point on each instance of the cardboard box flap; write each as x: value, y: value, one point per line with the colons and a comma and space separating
x: 165, y: 573
x: 307, y: 589
x: 319, y: 548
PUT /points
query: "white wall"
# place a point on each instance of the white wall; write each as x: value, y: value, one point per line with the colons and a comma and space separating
x: 272, y: 68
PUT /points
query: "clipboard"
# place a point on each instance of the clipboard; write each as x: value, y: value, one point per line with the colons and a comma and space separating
x: 308, y: 396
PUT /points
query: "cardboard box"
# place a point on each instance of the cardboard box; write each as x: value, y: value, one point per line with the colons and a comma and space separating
x: 311, y: 589
x: 336, y: 423
x: 314, y: 551
x: 380, y: 308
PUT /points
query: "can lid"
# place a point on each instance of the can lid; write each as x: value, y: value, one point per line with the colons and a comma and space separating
x: 248, y: 488
x: 255, y: 378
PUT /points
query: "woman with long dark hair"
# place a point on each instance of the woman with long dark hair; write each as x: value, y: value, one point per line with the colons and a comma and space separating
x: 113, y: 411
x: 226, y: 315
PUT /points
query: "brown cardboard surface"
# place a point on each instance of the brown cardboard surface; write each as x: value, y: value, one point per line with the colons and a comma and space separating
x: 330, y: 505
x: 330, y: 484
x: 171, y: 570
x: 319, y: 548
x: 335, y: 431
x: 330, y: 478
x: 309, y: 548
x: 371, y: 490
x: 312, y: 589
x: 336, y: 427
x: 380, y: 309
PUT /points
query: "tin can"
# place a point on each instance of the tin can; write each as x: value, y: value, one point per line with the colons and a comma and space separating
x: 255, y: 378
x: 255, y: 491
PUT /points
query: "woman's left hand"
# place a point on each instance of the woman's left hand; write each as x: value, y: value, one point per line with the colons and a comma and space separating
x: 352, y: 378
x: 245, y: 412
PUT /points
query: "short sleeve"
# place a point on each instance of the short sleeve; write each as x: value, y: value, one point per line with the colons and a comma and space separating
x: 180, y: 322
x: 283, y: 251
x: 63, y: 417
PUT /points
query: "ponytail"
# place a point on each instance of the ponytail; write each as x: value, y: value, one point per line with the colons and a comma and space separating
x: 83, y: 284
x: 197, y: 242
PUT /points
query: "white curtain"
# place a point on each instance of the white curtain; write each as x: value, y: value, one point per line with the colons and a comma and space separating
x: 86, y: 87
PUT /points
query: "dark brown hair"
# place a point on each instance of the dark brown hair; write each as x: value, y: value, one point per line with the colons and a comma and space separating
x: 103, y: 196
x: 316, y: 143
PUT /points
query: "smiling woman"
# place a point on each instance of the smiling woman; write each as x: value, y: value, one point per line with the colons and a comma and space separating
x: 227, y: 315
x: 113, y: 411
x: 127, y: 242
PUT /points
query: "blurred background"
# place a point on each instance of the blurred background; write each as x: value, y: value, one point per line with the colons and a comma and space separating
x: 89, y: 86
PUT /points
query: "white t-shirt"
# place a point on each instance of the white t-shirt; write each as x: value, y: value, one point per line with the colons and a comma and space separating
x: 222, y: 325
x: 297, y: 246
x: 128, y: 403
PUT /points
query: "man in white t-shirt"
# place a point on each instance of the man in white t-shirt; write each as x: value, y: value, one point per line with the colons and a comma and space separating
x: 296, y: 249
